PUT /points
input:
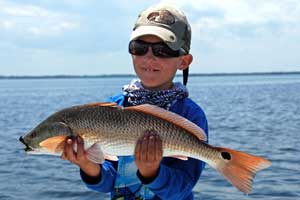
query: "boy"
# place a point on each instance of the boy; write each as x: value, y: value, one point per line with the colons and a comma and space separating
x: 159, y: 45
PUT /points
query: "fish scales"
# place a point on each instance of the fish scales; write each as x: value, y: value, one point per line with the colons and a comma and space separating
x: 113, y: 130
x: 119, y: 126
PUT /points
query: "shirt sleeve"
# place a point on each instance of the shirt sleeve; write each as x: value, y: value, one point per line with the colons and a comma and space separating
x: 175, y: 179
x: 105, y: 182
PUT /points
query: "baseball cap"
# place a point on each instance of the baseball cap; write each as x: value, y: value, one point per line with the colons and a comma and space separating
x: 166, y: 22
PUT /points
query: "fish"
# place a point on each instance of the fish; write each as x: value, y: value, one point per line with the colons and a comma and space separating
x: 109, y: 130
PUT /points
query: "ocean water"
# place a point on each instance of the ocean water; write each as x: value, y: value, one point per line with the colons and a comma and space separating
x: 259, y: 114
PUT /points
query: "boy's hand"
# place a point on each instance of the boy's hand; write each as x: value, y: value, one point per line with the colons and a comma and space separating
x: 148, y: 154
x: 79, y: 158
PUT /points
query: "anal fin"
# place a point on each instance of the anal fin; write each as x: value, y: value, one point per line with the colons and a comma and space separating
x: 111, y: 157
x: 179, y: 157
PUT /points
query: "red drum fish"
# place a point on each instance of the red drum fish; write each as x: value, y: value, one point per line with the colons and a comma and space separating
x: 109, y: 130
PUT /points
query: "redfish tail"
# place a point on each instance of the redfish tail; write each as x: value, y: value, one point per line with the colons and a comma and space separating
x: 239, y: 168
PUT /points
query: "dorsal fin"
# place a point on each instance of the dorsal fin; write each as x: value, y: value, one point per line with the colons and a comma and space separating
x: 172, y: 118
x: 108, y: 104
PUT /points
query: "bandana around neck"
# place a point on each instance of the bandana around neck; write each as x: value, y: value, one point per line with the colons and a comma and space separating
x: 138, y: 95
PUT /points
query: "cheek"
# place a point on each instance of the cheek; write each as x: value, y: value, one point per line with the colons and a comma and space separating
x: 171, y: 65
x: 137, y: 61
x: 166, y: 63
x: 175, y: 62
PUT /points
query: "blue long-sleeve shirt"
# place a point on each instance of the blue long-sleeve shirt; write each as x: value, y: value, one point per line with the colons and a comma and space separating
x: 175, y: 179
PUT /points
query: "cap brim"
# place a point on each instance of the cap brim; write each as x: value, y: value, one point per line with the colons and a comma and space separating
x: 166, y: 35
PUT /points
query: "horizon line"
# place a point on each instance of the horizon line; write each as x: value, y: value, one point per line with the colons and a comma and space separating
x: 133, y: 75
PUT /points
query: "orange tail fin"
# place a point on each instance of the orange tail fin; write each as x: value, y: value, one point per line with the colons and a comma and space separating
x: 239, y: 168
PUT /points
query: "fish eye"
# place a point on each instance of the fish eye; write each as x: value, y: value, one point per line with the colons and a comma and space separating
x: 33, y: 134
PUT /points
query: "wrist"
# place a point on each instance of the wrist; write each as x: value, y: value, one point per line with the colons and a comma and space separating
x: 91, y: 180
x: 147, y: 178
x: 149, y: 172
x: 91, y: 169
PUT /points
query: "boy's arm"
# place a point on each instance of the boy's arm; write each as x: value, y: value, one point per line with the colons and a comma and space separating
x: 92, y: 174
x: 105, y: 181
x: 175, y: 178
x: 168, y: 178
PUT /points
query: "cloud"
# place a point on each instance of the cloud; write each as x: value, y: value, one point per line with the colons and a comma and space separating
x: 73, y: 26
x: 227, y: 35
x: 230, y: 17
x: 244, y: 35
x: 23, y: 20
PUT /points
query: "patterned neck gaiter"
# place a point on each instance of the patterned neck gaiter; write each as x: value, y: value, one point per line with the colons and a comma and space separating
x: 138, y: 95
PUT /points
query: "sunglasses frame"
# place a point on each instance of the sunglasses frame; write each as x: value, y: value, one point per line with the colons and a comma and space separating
x: 159, y: 49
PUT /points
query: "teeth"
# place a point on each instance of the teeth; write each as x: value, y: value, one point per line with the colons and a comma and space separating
x: 150, y: 70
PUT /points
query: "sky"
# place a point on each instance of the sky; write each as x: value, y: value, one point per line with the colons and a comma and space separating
x: 90, y: 37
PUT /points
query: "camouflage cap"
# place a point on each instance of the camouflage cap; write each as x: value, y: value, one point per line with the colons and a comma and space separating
x: 166, y: 22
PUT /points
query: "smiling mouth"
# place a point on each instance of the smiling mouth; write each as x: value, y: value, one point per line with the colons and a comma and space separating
x: 150, y: 70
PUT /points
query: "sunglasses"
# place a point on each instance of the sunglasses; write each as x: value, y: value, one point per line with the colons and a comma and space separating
x: 159, y: 49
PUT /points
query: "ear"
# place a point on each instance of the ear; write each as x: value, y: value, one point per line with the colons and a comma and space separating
x: 186, y: 60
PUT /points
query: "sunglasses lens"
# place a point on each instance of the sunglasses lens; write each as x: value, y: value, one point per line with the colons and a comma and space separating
x: 160, y: 49
x: 138, y: 47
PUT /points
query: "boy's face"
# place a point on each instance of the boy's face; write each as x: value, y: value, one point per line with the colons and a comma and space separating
x: 154, y: 72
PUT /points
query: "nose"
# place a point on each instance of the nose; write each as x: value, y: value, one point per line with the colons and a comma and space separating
x: 149, y: 52
x: 149, y: 56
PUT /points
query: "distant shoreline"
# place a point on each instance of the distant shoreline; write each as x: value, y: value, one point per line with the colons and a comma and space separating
x: 131, y: 75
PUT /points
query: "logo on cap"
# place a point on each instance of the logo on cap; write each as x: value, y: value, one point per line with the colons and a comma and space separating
x: 161, y: 16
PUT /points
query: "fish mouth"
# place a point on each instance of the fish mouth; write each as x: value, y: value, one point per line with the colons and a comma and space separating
x: 27, y: 147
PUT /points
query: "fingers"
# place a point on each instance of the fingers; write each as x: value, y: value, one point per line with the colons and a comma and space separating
x: 69, y: 153
x: 137, y: 149
x: 80, y: 148
x: 149, y: 147
x: 148, y: 154
x: 158, y: 147
x: 144, y: 149
x: 151, y: 153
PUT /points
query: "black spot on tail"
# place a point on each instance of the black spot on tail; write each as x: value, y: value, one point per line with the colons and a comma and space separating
x: 226, y: 155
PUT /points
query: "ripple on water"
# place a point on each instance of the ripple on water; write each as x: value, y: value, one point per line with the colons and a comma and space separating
x: 256, y: 114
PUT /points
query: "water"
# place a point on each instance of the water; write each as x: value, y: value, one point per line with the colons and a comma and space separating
x: 256, y: 114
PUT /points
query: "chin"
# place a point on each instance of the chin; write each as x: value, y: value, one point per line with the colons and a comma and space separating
x: 157, y: 86
x: 149, y: 85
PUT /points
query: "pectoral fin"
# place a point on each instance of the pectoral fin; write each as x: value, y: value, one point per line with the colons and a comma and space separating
x: 95, y: 154
x: 54, y: 144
